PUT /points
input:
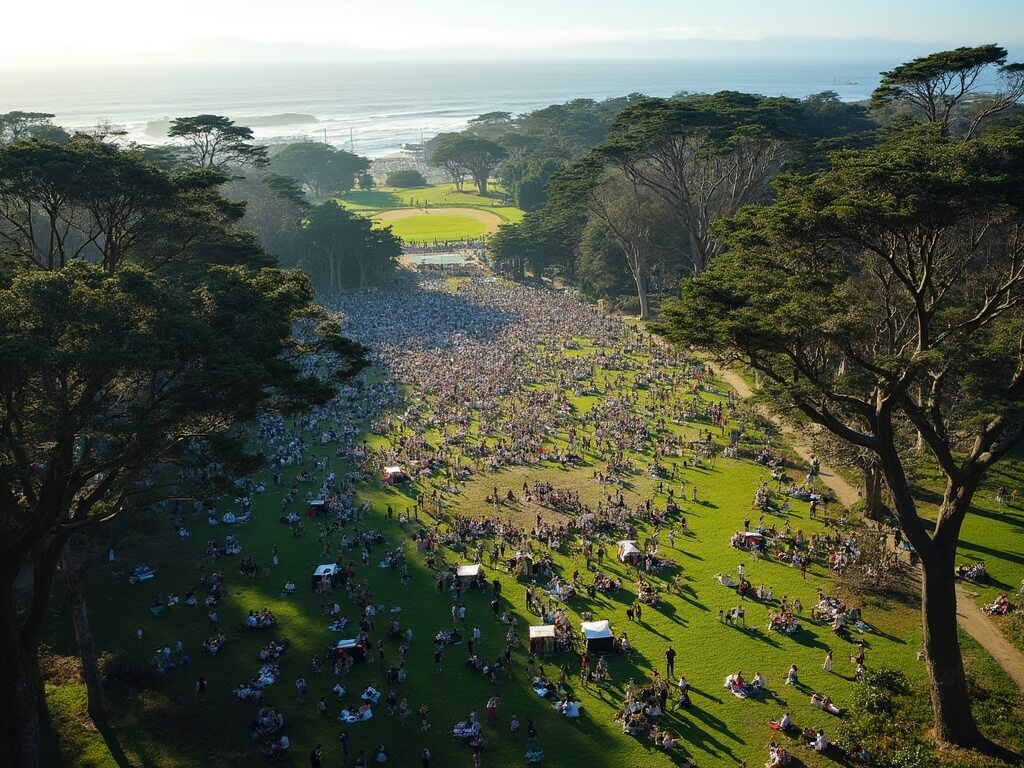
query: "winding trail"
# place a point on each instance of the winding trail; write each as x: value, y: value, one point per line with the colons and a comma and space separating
x: 970, y: 617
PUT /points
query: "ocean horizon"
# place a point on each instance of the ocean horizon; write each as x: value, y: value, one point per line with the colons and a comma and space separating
x: 374, y: 107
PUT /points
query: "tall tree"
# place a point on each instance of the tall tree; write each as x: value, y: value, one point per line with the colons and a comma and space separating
x: 459, y: 154
x: 322, y: 169
x: 937, y: 86
x: 347, y: 247
x: 706, y: 158
x: 18, y: 126
x: 274, y: 206
x: 444, y: 156
x: 214, y: 141
x: 899, y: 268
x: 633, y: 217
x: 103, y: 374
x: 92, y: 200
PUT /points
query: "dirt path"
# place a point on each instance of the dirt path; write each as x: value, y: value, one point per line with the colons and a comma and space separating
x: 845, y: 493
x: 970, y: 617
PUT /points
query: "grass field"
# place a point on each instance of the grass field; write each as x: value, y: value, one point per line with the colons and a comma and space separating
x: 415, y: 224
x: 166, y: 726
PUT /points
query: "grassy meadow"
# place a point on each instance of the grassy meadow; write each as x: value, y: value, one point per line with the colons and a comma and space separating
x: 165, y: 725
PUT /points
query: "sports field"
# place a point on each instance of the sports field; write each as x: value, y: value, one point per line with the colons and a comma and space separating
x: 436, y: 213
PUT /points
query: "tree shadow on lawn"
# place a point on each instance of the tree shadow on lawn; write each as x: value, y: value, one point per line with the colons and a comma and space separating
x: 999, y: 554
x: 692, y: 600
x: 714, y: 723
x: 669, y: 612
x: 756, y: 633
x: 808, y: 639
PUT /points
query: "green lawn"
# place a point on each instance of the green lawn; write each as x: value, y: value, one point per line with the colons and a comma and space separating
x: 433, y: 226
x: 383, y: 198
x: 168, y: 727
x: 436, y: 226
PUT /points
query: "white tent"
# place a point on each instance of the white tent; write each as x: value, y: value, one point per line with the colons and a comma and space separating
x: 542, y: 638
x: 629, y: 552
x: 597, y: 635
x: 327, y: 569
x: 394, y: 474
x: 469, y: 573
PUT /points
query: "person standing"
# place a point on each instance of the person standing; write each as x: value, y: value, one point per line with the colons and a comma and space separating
x: 670, y: 661
x: 316, y: 756
x: 273, y: 556
x: 827, y: 666
x: 201, y: 689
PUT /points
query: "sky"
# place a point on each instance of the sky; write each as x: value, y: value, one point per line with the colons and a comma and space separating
x: 63, y: 33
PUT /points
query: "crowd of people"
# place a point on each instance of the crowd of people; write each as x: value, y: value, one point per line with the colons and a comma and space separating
x: 486, y: 369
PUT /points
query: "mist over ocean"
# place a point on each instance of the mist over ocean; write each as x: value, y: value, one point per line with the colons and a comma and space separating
x: 381, y: 105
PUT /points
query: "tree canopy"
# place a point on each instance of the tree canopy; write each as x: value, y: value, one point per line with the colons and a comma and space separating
x: 214, y: 141
x: 408, y: 177
x: 322, y: 169
x: 460, y: 154
x: 939, y: 84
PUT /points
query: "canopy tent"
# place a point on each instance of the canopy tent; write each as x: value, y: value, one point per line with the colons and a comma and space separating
x: 597, y: 635
x: 317, y: 507
x: 327, y: 569
x: 752, y: 539
x: 394, y: 475
x: 542, y: 639
x: 628, y: 552
x: 469, y: 572
x: 350, y: 647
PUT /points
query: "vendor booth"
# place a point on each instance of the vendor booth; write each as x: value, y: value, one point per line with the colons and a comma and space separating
x: 629, y: 553
x: 317, y: 507
x: 352, y: 647
x: 542, y: 639
x: 597, y: 636
x: 753, y: 540
x: 328, y: 569
x: 470, y: 576
x: 394, y: 475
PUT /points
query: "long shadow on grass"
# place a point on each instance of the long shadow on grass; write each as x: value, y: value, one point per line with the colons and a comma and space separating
x: 114, y: 745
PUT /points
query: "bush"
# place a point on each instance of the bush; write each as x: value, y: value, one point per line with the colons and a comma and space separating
x: 407, y: 178
x: 119, y: 671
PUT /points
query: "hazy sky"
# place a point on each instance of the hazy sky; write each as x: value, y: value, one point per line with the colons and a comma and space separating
x: 103, y: 32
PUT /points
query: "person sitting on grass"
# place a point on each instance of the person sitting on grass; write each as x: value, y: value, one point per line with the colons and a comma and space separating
x: 792, y: 678
x: 289, y: 588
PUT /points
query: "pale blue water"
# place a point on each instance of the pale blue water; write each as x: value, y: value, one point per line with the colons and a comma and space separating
x: 381, y: 105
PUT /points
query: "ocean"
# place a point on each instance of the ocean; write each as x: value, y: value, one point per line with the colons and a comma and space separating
x: 375, y: 107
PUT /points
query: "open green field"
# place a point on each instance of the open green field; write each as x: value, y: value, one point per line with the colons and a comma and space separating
x: 420, y: 221
x: 166, y: 726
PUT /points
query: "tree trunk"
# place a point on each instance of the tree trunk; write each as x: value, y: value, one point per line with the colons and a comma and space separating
x: 19, y: 673
x: 481, y: 184
x: 641, y: 292
x: 872, y: 492
x: 74, y: 580
x: 951, y: 703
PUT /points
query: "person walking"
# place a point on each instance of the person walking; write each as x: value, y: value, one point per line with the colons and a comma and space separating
x: 201, y: 689
x: 827, y: 666
x: 670, y: 661
x: 316, y: 757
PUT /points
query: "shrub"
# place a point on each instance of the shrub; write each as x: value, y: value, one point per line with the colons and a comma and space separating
x: 407, y: 178
x: 119, y: 671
